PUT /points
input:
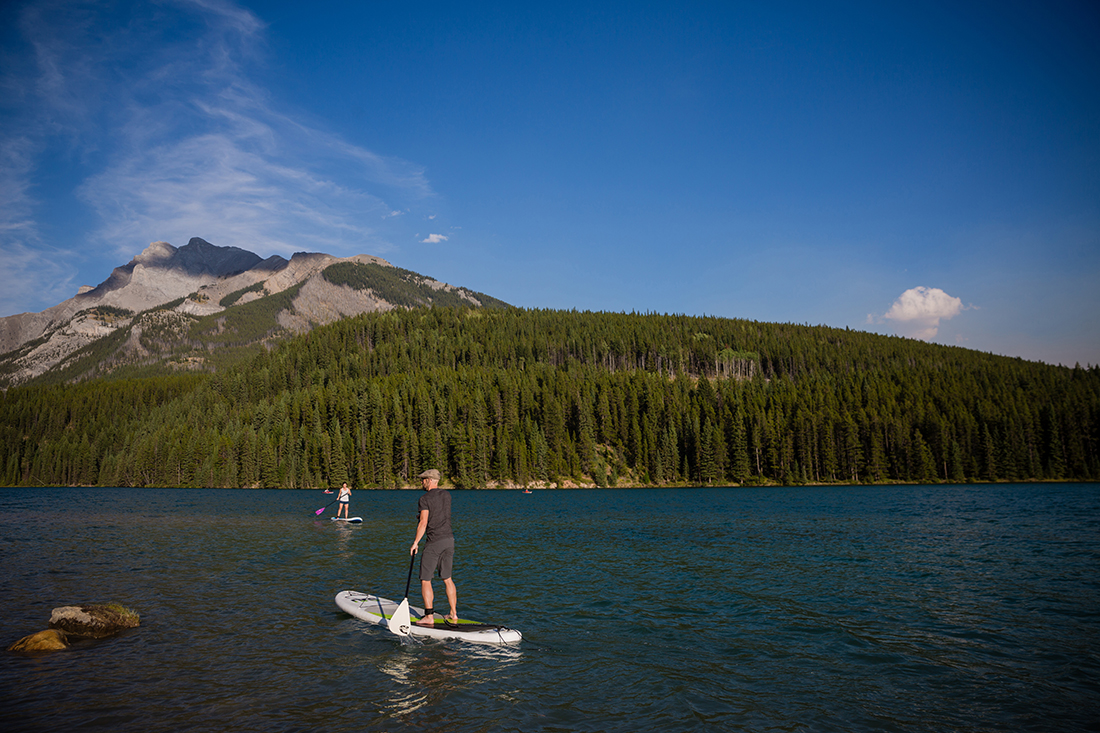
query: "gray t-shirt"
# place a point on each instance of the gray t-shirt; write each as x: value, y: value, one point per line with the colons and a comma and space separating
x: 438, y: 504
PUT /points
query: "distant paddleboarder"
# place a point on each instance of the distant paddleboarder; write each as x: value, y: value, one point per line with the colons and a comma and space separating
x: 344, y: 498
x: 434, y: 525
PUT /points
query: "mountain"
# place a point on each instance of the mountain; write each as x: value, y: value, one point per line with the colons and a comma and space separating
x: 200, y: 306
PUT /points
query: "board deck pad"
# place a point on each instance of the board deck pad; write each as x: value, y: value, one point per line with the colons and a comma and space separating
x: 379, y: 610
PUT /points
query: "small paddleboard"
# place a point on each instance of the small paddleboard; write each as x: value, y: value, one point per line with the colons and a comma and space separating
x: 349, y: 520
x: 378, y: 611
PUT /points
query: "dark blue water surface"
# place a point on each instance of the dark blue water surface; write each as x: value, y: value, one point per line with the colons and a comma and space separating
x: 902, y: 608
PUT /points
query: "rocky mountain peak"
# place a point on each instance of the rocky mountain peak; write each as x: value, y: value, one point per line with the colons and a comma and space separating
x: 165, y: 291
x: 199, y: 257
x: 157, y: 252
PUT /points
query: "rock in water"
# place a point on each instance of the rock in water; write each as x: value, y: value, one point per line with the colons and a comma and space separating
x: 49, y: 640
x: 93, y: 620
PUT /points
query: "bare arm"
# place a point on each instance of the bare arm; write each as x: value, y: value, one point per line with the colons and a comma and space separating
x: 421, y: 528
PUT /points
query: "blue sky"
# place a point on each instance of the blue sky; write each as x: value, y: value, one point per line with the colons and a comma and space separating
x: 929, y: 170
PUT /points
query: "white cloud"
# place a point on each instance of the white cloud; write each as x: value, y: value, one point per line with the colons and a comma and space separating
x: 918, y: 311
x: 435, y: 239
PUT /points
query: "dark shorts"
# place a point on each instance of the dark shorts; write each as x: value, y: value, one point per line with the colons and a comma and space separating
x: 438, y: 555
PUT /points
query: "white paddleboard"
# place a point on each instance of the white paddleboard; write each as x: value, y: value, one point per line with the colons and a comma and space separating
x: 352, y: 520
x: 378, y: 611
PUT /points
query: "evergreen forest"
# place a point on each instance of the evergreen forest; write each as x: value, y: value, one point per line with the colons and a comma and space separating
x: 513, y: 397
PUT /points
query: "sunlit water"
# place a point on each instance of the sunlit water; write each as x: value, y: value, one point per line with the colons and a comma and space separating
x: 909, y: 608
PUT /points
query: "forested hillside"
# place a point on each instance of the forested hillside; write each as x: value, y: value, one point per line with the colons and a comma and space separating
x: 517, y: 397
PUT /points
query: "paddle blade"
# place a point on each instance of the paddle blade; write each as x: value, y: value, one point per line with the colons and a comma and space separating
x: 318, y: 512
x: 400, y: 622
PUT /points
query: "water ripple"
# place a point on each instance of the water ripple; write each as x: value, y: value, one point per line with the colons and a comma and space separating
x: 823, y: 609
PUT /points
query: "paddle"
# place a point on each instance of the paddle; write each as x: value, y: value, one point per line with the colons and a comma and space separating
x: 400, y: 622
x: 326, y: 506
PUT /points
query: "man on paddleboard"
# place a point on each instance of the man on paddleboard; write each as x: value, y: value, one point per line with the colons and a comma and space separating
x: 434, y: 525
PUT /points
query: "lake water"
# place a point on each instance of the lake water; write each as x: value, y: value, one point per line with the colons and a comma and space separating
x: 907, y: 608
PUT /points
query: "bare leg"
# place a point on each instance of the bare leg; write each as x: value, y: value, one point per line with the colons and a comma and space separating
x: 428, y: 595
x: 452, y: 598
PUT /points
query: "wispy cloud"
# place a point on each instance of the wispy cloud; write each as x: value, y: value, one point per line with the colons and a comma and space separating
x: 233, y: 17
x: 30, y: 270
x: 168, y: 134
x: 917, y: 312
x: 16, y: 154
x: 435, y: 239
